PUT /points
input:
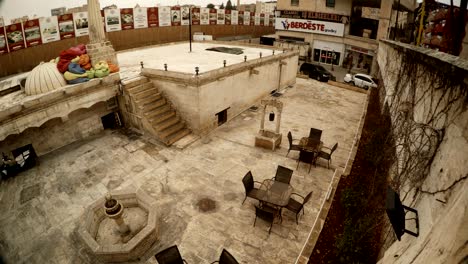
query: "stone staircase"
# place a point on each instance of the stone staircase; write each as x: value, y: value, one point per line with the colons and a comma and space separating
x: 157, y: 114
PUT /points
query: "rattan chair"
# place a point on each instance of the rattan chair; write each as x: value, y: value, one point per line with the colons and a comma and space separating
x: 315, y: 134
x: 295, y: 206
x: 170, y: 255
x: 292, y: 146
x: 226, y: 258
x: 249, y: 185
x: 308, y: 157
x: 267, y: 214
x: 327, y: 155
x: 283, y: 174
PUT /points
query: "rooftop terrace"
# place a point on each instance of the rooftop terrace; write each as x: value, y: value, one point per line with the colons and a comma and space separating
x: 41, y: 207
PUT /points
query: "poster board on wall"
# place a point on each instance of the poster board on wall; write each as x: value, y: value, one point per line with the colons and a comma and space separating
x: 246, y: 18
x: 185, y: 15
x: 15, y: 37
x: 220, y: 17
x: 49, y: 29
x: 112, y: 18
x: 240, y: 18
x: 213, y: 16
x: 80, y: 20
x: 32, y: 33
x: 195, y: 16
x: 164, y: 16
x: 140, y: 17
x: 227, y: 17
x: 175, y: 16
x: 66, y: 27
x: 126, y: 18
x: 262, y: 20
x: 3, y: 41
x: 204, y: 16
x: 252, y: 19
x: 234, y: 17
x: 153, y: 17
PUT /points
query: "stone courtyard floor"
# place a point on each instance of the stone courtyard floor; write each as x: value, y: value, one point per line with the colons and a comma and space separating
x: 41, y: 208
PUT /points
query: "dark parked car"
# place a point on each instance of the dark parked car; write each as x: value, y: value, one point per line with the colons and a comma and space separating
x: 316, y: 72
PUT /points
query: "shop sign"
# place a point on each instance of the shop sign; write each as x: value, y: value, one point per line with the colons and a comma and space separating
x: 310, y: 26
x: 314, y: 16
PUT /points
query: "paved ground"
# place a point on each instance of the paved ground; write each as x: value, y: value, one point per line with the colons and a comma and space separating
x: 41, y: 207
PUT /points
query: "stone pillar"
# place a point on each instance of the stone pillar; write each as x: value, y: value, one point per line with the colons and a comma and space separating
x: 98, y: 48
x: 384, y: 21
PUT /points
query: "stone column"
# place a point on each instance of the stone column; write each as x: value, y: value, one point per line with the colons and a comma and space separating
x: 98, y: 48
x: 384, y: 21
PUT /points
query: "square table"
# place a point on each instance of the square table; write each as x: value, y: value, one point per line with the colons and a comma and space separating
x: 275, y: 192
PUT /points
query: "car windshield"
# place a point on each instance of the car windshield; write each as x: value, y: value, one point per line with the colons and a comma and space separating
x: 320, y: 68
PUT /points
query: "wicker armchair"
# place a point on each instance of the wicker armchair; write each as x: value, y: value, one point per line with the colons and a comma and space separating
x: 327, y: 154
x: 307, y: 157
x: 170, y: 255
x: 250, y: 190
x: 295, y: 206
x: 226, y: 258
x: 267, y: 214
x: 315, y: 134
x: 291, y: 145
x: 283, y: 174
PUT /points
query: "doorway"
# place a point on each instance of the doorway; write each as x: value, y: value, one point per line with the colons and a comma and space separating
x: 111, y: 121
x: 222, y: 117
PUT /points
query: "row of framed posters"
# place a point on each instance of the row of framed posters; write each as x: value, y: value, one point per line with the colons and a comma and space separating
x: 48, y: 29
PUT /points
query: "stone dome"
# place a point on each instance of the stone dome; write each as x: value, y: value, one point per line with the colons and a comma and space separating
x: 44, y: 78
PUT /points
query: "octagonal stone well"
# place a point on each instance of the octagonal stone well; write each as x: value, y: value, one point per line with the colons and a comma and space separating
x: 100, y: 233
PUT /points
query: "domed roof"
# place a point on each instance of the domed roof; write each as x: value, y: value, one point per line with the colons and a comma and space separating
x: 44, y: 78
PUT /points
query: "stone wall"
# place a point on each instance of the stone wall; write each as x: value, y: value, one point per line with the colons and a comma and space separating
x: 59, y: 132
x: 26, y: 59
x: 418, y: 84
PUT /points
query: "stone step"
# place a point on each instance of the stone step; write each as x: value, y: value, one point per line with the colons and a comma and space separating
x: 176, y: 136
x: 171, y: 130
x: 153, y: 105
x: 140, y: 88
x: 128, y: 84
x: 162, y: 117
x: 148, y: 99
x: 167, y: 123
x: 158, y: 111
x: 145, y: 93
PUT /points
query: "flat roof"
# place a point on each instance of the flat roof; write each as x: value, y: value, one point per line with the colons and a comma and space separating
x: 179, y: 59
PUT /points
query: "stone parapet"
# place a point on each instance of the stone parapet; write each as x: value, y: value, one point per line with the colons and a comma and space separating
x: 102, y: 51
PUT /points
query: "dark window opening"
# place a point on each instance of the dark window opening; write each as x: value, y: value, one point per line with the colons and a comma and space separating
x: 222, y: 117
x: 294, y: 2
x: 111, y: 121
x: 330, y: 3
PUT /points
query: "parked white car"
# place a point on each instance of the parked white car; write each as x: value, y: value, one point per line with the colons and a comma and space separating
x: 360, y: 80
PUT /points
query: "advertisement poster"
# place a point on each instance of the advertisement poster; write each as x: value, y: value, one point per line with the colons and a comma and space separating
x: 153, y: 17
x: 204, y: 16
x: 246, y: 18
x: 14, y: 34
x: 140, y: 17
x: 49, y: 29
x: 262, y: 20
x: 272, y: 21
x: 227, y: 17
x: 240, y: 18
x: 3, y: 45
x: 175, y: 16
x: 112, y: 18
x: 195, y: 16
x: 66, y: 28
x: 213, y: 16
x: 252, y: 19
x: 126, y: 18
x: 164, y: 16
x: 234, y: 17
x: 221, y: 16
x: 32, y: 32
x: 185, y: 13
x: 81, y: 23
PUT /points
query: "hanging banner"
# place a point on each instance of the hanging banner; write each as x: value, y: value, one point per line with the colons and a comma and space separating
x: 234, y: 17
x: 204, y: 16
x: 262, y: 20
x: 126, y: 18
x: 246, y: 18
x: 221, y: 16
x: 153, y: 17
x: 112, y: 17
x: 253, y: 19
x: 140, y: 17
x: 32, y: 32
x: 271, y: 21
x: 3, y: 45
x: 14, y: 34
x: 227, y: 17
x: 240, y: 18
x: 195, y: 16
x: 164, y: 16
x: 81, y: 23
x: 67, y: 30
x: 185, y: 14
x: 49, y: 29
x: 213, y: 16
x: 175, y: 16
x: 310, y: 26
